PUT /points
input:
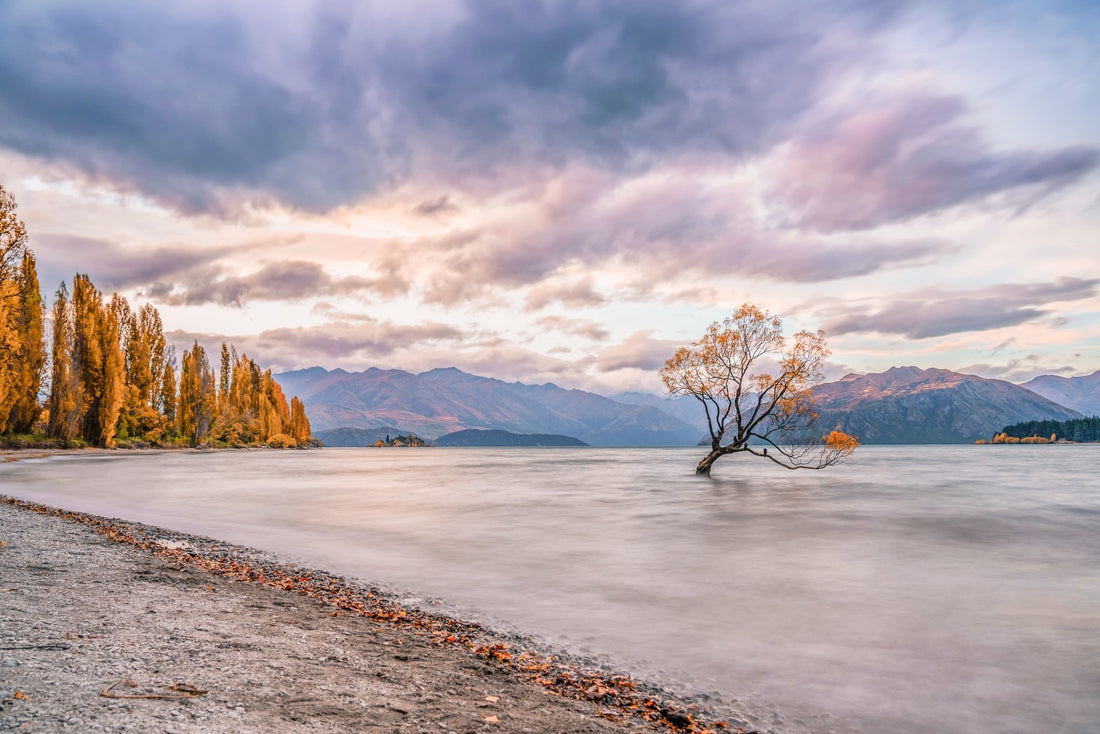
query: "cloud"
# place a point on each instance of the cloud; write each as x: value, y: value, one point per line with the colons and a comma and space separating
x: 441, y: 205
x: 111, y: 266
x: 578, y: 327
x: 670, y: 222
x: 638, y: 351
x: 905, y: 155
x: 286, y: 280
x: 177, y: 275
x: 934, y: 313
x: 206, y: 106
x: 1020, y: 370
x: 363, y: 340
x: 575, y: 294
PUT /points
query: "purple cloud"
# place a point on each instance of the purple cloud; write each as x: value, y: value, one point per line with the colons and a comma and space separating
x: 898, y: 158
x: 934, y: 313
x: 208, y: 106
x: 638, y: 351
x: 287, y: 280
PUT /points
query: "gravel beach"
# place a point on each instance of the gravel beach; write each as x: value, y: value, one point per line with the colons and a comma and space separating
x: 114, y: 626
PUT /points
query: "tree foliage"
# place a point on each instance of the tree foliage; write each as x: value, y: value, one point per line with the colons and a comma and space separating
x: 22, y: 351
x: 754, y: 385
x: 1080, y: 430
x: 112, y: 375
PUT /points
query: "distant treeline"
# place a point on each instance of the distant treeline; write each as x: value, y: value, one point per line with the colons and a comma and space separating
x: 1081, y: 430
x: 111, y: 376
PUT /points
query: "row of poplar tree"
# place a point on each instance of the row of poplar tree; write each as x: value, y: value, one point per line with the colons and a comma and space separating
x: 109, y: 376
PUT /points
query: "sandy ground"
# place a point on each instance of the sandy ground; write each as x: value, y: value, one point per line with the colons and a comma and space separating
x: 106, y: 626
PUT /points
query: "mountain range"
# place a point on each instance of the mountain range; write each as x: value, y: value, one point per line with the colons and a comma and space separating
x: 1079, y: 393
x: 900, y: 405
x: 912, y: 405
x: 443, y: 401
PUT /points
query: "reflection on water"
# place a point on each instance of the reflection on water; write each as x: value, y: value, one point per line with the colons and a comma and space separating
x: 920, y: 588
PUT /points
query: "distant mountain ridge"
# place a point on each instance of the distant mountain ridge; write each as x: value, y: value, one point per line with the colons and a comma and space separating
x: 909, y: 405
x: 900, y: 405
x: 446, y: 400
x: 1078, y: 393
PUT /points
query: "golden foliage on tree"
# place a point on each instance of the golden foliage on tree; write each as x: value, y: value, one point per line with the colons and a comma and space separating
x: 112, y: 375
x: 22, y: 352
x: 755, y: 386
x: 65, y: 398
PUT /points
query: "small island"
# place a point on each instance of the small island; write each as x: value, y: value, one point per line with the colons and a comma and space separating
x: 495, y: 438
x: 408, y: 439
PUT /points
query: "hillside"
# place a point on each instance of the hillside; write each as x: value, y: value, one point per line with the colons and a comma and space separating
x: 488, y: 437
x: 1076, y: 393
x: 443, y: 401
x: 912, y: 405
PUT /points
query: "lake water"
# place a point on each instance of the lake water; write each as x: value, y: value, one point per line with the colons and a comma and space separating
x: 917, y: 589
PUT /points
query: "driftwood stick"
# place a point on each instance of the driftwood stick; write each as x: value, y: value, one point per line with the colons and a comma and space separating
x: 179, y: 691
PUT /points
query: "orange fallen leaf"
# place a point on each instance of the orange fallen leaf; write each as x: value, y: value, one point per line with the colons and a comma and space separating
x: 20, y: 695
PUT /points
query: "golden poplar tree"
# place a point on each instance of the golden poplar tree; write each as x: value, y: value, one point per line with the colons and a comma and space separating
x: 114, y: 371
x: 197, y: 396
x: 225, y: 381
x: 22, y: 354
x: 166, y: 399
x: 87, y: 354
x: 65, y: 399
x: 30, y: 354
x: 146, y: 351
x: 299, y: 423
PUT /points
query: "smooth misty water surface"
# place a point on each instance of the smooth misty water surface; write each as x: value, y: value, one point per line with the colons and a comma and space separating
x: 948, y: 589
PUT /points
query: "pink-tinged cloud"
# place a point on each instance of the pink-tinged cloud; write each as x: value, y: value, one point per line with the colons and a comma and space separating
x: 111, y: 266
x: 899, y: 157
x: 576, y: 294
x: 286, y: 280
x: 934, y: 313
x: 577, y: 327
x: 661, y: 225
x: 363, y: 340
x: 640, y: 350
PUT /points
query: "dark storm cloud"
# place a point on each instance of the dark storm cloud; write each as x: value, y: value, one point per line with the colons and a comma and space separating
x: 935, y: 313
x: 204, y: 105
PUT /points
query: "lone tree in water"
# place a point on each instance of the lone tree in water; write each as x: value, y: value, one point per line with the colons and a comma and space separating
x: 750, y: 409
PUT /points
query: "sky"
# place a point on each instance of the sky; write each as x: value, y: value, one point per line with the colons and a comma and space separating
x: 569, y: 191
